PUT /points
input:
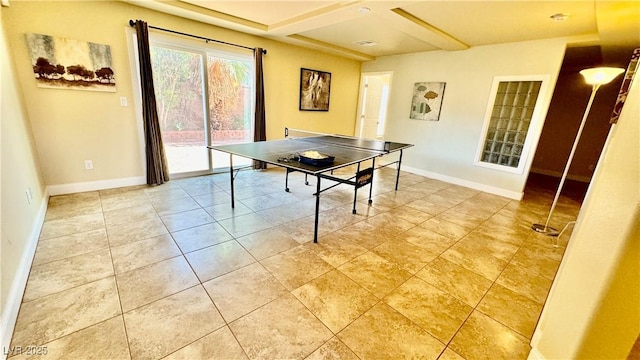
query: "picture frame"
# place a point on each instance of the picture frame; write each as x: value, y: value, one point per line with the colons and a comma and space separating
x: 61, y: 63
x: 315, y: 90
x: 426, y: 101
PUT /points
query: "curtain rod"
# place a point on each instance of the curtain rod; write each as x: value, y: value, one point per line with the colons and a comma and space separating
x: 132, y: 23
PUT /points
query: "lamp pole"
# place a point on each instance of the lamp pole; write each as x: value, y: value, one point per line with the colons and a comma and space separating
x: 546, y: 229
x: 595, y: 77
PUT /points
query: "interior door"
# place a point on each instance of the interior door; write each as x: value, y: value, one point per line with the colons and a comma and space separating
x: 374, y: 95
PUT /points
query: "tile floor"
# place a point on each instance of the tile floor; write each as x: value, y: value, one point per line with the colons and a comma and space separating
x: 432, y: 271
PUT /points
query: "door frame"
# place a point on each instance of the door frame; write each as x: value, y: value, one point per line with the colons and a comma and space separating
x: 361, y: 99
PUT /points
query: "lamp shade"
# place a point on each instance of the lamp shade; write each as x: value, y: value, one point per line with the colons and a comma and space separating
x: 600, y: 75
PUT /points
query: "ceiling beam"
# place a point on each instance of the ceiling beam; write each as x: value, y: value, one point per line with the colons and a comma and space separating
x: 422, y: 30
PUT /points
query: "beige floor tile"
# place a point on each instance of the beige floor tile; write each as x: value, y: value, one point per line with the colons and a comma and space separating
x: 67, y: 273
x: 466, y: 220
x: 335, y: 299
x: 461, y: 283
x: 54, y: 316
x: 168, y: 207
x: 458, y: 193
x: 220, y: 344
x: 482, y: 337
x: 449, y: 354
x: 383, y: 333
x: 144, y: 229
x: 212, y: 199
x: 105, y: 340
x: 494, y: 247
x: 200, y: 237
x: 333, y: 349
x: 538, y: 263
x: 428, y: 206
x: 375, y: 274
x: 244, y: 290
x: 404, y: 255
x: 166, y: 325
x: 446, y: 228
x: 166, y: 192
x: 288, y: 212
x: 338, y: 218
x: 269, y: 242
x: 336, y: 249
x: 70, y: 245
x: 432, y: 309
x: 296, y: 266
x: 219, y: 259
x: 144, y: 252
x: 186, y: 219
x: 511, y: 309
x: 387, y: 224
x: 225, y: 211
x: 124, y: 200
x: 245, y: 224
x: 71, y: 225
x: 475, y: 258
x: 282, y: 329
x: 153, y: 282
x: 129, y: 215
x: 64, y: 206
x: 365, y: 235
x: 525, y: 282
x: 428, y: 239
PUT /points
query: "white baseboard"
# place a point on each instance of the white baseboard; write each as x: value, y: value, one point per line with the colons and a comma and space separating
x: 19, y: 283
x: 466, y: 183
x: 72, y: 188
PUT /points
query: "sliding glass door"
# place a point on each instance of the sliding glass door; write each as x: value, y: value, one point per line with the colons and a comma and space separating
x: 204, y: 96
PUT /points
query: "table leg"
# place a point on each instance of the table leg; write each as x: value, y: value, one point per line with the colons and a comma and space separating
x: 315, y: 229
x: 233, y: 202
x: 373, y: 166
x: 398, y: 174
x: 355, y: 190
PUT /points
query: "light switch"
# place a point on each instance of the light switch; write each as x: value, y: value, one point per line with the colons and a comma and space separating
x: 123, y: 101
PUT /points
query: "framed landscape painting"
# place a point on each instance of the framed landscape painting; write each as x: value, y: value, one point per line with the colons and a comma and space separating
x: 315, y: 88
x: 62, y: 63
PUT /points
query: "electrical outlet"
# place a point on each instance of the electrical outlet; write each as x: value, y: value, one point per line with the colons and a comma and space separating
x: 88, y: 164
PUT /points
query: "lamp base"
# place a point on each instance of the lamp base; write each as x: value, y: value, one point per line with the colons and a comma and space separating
x: 546, y: 230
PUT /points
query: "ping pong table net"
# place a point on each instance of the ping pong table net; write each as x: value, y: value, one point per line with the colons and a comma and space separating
x: 339, y: 140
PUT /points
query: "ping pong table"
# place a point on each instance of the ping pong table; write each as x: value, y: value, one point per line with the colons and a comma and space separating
x: 343, y: 151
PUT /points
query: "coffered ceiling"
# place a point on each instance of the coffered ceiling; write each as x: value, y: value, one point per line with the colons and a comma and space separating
x: 366, y: 29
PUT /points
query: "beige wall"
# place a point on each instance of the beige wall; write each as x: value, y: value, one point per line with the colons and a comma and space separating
x: 70, y: 125
x: 21, y: 220
x: 593, y: 309
x: 447, y: 149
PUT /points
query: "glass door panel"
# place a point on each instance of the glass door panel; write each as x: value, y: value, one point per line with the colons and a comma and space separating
x: 230, y: 89
x: 179, y: 82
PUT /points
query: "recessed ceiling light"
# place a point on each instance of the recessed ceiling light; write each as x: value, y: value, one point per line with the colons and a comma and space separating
x: 366, y: 43
x: 363, y: 10
x: 559, y: 17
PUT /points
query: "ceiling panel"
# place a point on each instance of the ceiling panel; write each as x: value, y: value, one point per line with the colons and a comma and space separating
x: 264, y: 12
x: 495, y: 22
x: 389, y: 40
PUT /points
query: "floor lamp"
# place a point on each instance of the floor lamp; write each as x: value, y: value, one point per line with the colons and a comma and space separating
x: 594, y: 77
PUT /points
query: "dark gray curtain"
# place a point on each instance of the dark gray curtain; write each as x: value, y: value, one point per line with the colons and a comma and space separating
x: 260, y: 128
x: 157, y: 172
